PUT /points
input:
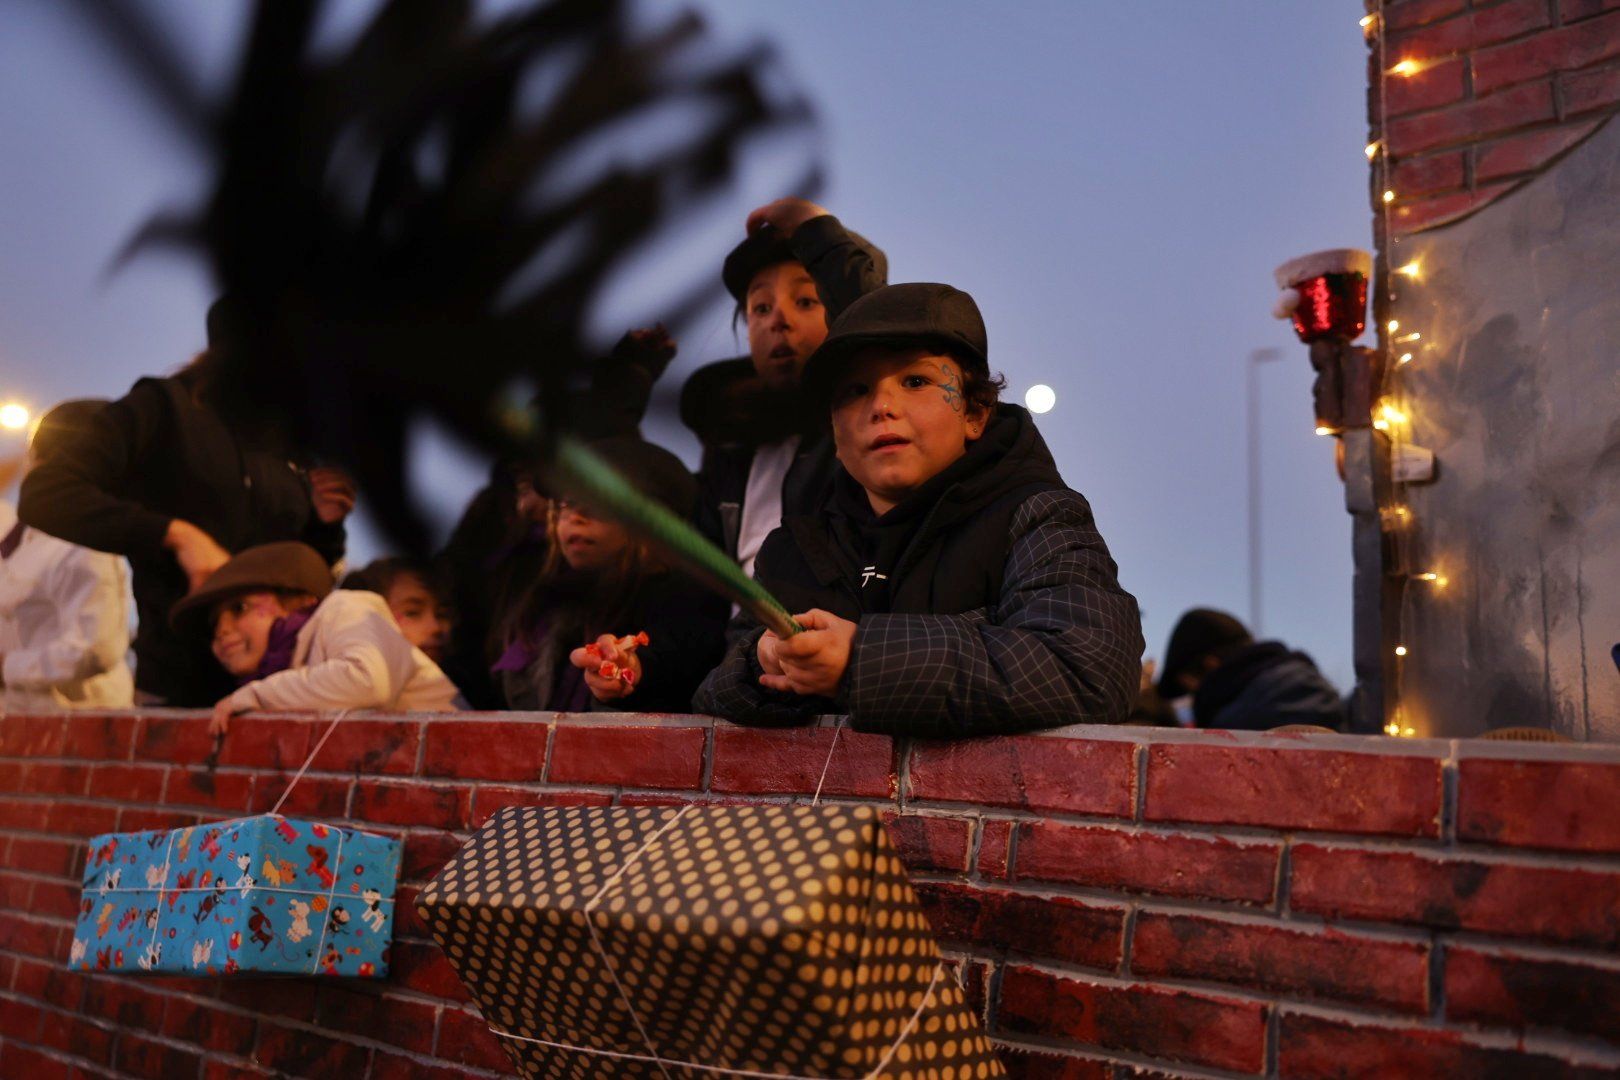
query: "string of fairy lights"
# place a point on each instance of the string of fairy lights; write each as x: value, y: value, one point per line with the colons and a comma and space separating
x: 1399, y: 345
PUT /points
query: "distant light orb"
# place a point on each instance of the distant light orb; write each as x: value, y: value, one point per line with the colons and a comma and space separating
x: 1040, y: 398
x: 13, y: 417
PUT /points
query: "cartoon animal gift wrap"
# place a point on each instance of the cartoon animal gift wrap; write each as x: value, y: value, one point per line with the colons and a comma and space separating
x: 259, y: 895
x: 607, y: 942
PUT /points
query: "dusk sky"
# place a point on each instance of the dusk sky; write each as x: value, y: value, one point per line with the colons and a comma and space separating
x: 1113, y: 183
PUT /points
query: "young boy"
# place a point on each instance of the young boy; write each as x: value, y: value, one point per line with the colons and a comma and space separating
x: 64, y: 616
x: 764, y: 445
x: 416, y: 596
x: 293, y: 644
x: 951, y: 584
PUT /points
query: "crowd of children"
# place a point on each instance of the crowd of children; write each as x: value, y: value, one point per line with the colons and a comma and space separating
x: 858, y: 462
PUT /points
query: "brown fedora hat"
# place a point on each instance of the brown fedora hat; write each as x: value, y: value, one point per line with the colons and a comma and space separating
x: 287, y: 566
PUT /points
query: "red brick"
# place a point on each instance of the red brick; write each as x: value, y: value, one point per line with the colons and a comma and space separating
x: 485, y: 749
x: 367, y: 1013
x: 1541, y: 804
x: 56, y: 899
x: 233, y: 1070
x: 127, y: 783
x: 1052, y: 774
x: 20, y: 1019
x: 114, y: 999
x: 1174, y: 1025
x: 931, y: 842
x: 1579, y: 45
x: 1547, y: 903
x: 1433, y: 86
x: 320, y: 797
x: 1474, y: 30
x: 267, y: 743
x: 423, y: 968
x: 655, y: 757
x: 19, y: 1060
x: 53, y: 857
x: 1404, y: 14
x: 14, y: 891
x: 1203, y: 867
x: 1585, y: 91
x: 29, y: 937
x: 1426, y: 175
x: 973, y: 978
x: 32, y: 736
x: 1026, y: 1064
x: 407, y: 921
x: 1298, y: 963
x: 1572, y: 10
x: 1085, y: 933
x: 1521, y: 992
x: 55, y: 778
x: 77, y: 1036
x: 1294, y: 789
x: 231, y: 793
x: 182, y: 739
x: 639, y: 798
x: 29, y: 814
x: 138, y: 1056
x: 141, y: 819
x: 386, y: 1066
x: 1495, y: 114
x: 11, y: 775
x: 290, y: 998
x: 1526, y: 153
x: 371, y: 747
x: 995, y: 849
x: 51, y: 983
x: 299, y: 1053
x: 1428, y: 213
x: 81, y: 819
x: 209, y: 1026
x: 466, y: 1039
x: 411, y: 803
x: 425, y: 853
x: 1313, y: 1046
x: 762, y: 761
x: 488, y: 799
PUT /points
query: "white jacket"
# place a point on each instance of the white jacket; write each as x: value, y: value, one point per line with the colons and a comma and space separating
x: 64, y: 625
x: 351, y: 655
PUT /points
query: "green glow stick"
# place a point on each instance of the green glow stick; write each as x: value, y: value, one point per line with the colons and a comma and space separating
x: 584, y: 473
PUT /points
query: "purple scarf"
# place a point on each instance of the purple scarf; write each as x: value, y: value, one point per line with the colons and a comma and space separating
x: 278, y: 654
x: 568, y: 690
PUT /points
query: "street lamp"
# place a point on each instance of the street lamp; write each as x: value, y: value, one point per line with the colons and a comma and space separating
x: 1256, y: 358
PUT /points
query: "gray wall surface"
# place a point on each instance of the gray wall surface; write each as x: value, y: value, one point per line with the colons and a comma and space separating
x: 1516, y: 388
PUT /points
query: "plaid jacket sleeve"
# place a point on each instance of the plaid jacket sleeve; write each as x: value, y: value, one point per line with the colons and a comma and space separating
x: 732, y: 690
x: 1062, y: 644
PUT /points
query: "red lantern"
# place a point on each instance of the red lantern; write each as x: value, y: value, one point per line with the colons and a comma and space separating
x: 1325, y: 294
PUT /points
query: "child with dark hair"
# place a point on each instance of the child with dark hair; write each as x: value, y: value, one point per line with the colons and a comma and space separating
x: 417, y: 596
x: 291, y: 643
x: 951, y: 584
x: 607, y: 625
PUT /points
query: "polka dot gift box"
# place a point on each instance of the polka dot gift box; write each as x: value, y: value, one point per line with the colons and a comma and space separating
x: 701, y: 942
x: 257, y: 895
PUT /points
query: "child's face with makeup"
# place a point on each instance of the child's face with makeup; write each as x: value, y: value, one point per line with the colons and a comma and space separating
x: 899, y: 419
x: 242, y: 630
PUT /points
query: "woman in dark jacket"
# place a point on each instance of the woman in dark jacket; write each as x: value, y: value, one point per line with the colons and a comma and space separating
x: 163, y: 480
x: 952, y: 584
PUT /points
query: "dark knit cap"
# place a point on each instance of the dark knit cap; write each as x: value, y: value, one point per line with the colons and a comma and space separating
x: 902, y: 316
x: 1199, y: 633
x: 287, y: 566
x: 766, y: 247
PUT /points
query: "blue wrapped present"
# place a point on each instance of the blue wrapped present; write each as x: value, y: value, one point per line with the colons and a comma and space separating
x: 267, y: 895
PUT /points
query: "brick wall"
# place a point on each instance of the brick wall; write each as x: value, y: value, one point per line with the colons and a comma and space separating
x: 1123, y: 902
x: 1502, y: 88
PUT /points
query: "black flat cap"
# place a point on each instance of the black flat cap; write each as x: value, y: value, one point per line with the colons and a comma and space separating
x: 916, y: 313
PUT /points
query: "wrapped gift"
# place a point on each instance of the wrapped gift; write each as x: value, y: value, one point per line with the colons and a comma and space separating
x: 267, y: 895
x: 660, y: 942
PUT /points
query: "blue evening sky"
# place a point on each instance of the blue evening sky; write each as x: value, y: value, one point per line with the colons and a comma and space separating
x: 1114, y: 183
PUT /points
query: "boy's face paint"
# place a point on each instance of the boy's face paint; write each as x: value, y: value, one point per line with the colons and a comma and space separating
x: 786, y: 323
x: 588, y: 543
x: 242, y: 630
x: 423, y: 618
x: 899, y: 419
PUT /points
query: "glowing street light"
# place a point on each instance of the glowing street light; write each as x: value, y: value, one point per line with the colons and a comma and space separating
x: 1040, y: 398
x: 13, y: 417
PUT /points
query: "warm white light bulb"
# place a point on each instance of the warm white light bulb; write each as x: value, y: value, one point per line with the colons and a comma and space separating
x: 1372, y: 150
x: 1040, y: 398
x: 1400, y: 650
x: 1393, y: 326
x: 1411, y: 269
x: 1389, y: 196
x: 13, y: 417
x: 1406, y: 68
x: 1406, y: 358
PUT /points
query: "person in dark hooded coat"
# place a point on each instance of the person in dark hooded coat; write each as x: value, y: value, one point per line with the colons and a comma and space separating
x: 951, y: 584
x: 1243, y: 684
